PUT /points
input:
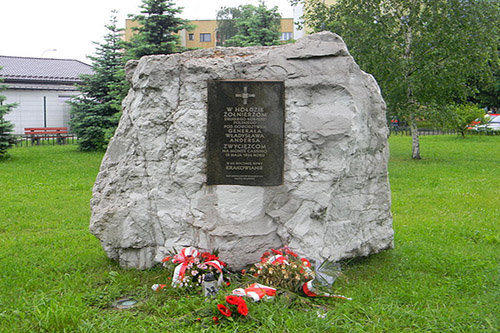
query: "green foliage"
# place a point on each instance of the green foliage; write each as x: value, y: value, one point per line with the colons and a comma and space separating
x: 6, y: 127
x: 489, y: 90
x: 95, y: 113
x: 442, y: 275
x: 226, y: 23
x: 422, y: 53
x: 157, y: 25
x: 459, y: 117
x: 249, y: 25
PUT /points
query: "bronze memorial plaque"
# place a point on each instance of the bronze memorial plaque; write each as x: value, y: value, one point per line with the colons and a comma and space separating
x: 245, y: 132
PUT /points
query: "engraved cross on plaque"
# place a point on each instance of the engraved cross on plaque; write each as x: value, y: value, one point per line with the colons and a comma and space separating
x: 245, y: 95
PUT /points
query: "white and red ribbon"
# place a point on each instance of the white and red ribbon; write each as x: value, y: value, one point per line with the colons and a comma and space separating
x: 158, y: 287
x: 184, y: 258
x: 310, y: 291
x: 278, y: 259
x: 255, y: 291
x: 190, y: 256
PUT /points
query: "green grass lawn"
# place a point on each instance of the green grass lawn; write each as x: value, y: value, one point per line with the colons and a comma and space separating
x: 442, y: 275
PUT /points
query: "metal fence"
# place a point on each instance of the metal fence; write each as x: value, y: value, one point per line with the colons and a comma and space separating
x: 405, y: 131
x: 23, y: 140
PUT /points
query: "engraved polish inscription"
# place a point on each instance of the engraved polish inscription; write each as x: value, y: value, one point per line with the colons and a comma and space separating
x: 245, y: 133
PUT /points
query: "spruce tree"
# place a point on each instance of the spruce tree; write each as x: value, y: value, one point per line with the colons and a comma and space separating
x: 6, y: 127
x: 96, y: 112
x: 158, y: 23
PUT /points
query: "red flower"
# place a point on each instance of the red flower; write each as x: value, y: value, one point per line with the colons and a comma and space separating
x: 277, y: 252
x: 166, y: 259
x: 243, y: 271
x: 291, y: 253
x: 279, y: 260
x: 265, y: 254
x: 240, y: 302
x: 224, y: 310
x: 305, y: 262
x: 209, y: 256
x: 242, y: 308
x: 215, y: 319
x: 231, y: 299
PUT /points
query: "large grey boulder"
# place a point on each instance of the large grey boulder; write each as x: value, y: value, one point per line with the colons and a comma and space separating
x: 150, y: 194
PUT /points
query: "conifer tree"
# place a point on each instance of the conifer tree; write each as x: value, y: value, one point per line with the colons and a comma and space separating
x: 96, y: 112
x: 158, y: 23
x: 6, y: 127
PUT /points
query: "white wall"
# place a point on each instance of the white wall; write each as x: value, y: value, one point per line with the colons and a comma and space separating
x: 30, y: 109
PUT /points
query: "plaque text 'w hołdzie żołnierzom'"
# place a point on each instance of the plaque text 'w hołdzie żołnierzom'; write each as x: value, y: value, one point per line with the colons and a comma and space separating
x: 245, y: 132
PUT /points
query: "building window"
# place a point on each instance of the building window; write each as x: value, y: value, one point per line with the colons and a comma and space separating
x: 286, y: 35
x: 205, y: 37
x: 63, y: 99
x: 191, y: 37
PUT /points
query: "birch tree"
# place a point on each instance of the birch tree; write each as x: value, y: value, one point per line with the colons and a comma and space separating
x: 249, y: 25
x: 425, y: 54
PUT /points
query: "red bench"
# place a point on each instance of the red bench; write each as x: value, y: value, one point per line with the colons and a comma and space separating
x: 37, y: 133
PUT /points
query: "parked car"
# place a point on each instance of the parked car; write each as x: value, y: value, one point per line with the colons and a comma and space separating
x: 493, y: 124
x: 478, y: 121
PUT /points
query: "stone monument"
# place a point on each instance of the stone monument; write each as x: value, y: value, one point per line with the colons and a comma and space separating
x: 246, y: 149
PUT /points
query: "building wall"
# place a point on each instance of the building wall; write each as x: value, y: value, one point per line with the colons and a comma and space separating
x: 197, y: 38
x: 206, y: 29
x: 287, y: 28
x: 201, y: 27
x: 129, y: 24
x: 30, y: 109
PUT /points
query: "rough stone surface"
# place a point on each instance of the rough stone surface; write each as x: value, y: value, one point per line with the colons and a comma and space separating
x: 150, y: 194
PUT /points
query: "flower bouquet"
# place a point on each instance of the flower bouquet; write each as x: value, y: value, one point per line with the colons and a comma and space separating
x: 194, y: 268
x: 284, y: 269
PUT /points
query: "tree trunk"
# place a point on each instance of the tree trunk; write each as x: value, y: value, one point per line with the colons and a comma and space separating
x: 415, y: 149
x: 415, y: 140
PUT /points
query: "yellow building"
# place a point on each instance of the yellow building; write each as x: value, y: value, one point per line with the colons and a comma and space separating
x: 287, y: 29
x: 204, y: 35
x: 129, y: 24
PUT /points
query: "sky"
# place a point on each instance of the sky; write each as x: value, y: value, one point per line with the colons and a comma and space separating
x: 65, y: 29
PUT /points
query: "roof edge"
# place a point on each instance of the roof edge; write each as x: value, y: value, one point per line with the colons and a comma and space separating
x: 40, y: 58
